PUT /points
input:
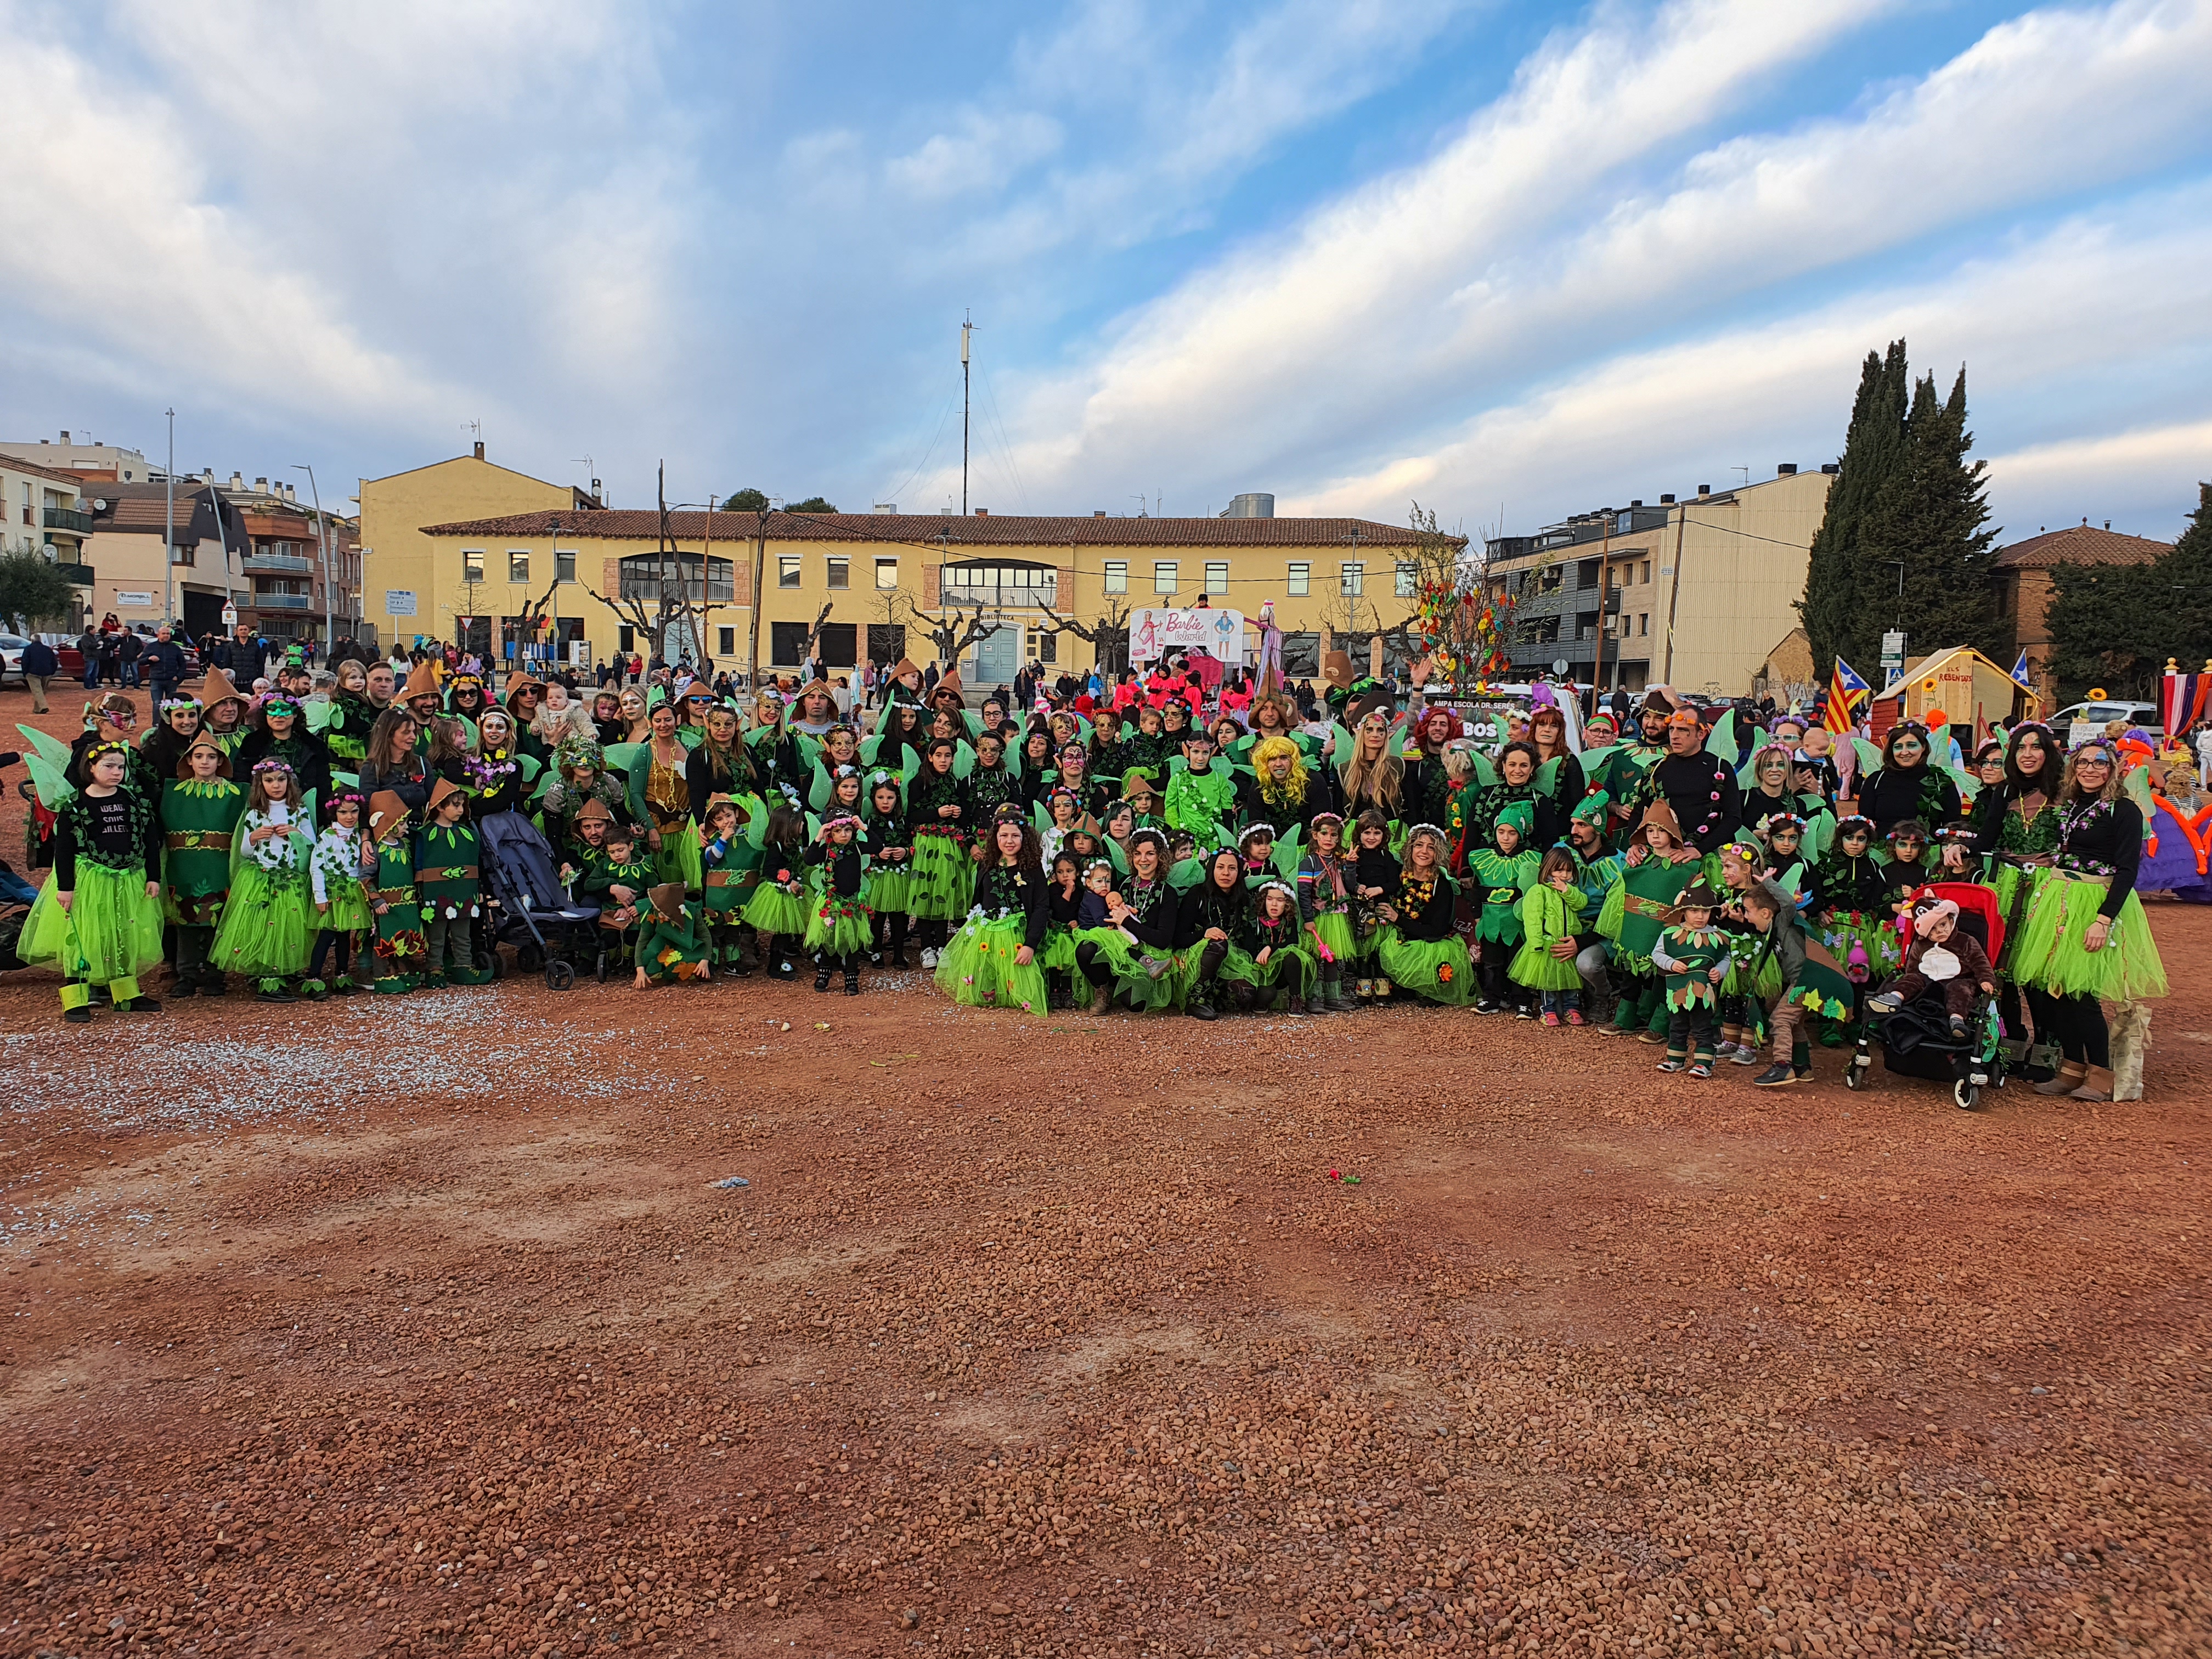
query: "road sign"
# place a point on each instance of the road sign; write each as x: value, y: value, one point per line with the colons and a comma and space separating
x: 230, y: 616
x: 1560, y: 665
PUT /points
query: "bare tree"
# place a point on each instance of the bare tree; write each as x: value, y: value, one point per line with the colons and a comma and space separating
x: 1107, y: 634
x: 952, y: 629
x: 814, y: 634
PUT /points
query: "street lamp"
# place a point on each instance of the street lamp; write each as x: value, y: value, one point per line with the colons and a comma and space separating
x: 323, y: 538
x: 169, y: 522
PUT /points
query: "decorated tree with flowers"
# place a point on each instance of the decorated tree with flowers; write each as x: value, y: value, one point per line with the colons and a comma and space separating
x: 1460, y: 630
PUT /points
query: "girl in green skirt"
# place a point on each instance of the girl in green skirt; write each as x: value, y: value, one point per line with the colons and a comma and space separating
x: 1545, y: 961
x: 992, y: 961
x: 1326, y: 890
x: 1418, y: 949
x: 778, y: 906
x: 268, y: 925
x: 890, y: 865
x: 98, y: 917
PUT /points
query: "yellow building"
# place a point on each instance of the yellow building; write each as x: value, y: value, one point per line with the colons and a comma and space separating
x: 405, y: 591
x: 1691, y: 593
x: 885, y: 578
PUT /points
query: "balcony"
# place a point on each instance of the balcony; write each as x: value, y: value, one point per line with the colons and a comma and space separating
x: 76, y: 576
x: 69, y: 519
x: 276, y: 563
x: 283, y: 601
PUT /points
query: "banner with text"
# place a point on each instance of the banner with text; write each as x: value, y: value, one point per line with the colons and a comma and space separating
x: 1154, y: 633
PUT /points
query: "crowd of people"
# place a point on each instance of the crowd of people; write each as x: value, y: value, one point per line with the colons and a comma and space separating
x: 1729, y: 890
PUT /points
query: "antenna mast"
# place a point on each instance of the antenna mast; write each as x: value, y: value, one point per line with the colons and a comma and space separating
x: 967, y: 327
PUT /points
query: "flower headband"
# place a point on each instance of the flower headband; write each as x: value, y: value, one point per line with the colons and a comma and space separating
x: 170, y: 705
x: 272, y: 764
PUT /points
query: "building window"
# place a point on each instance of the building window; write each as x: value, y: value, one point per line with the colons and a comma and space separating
x: 1117, y: 577
x: 1645, y: 568
x: 1217, y: 575
x: 1644, y: 623
x: 1408, y: 575
x: 642, y: 572
x: 725, y: 641
x: 564, y: 564
x: 840, y: 573
x: 1163, y: 576
x: 473, y: 564
x: 518, y: 566
x: 1300, y: 582
x: 1043, y: 645
x: 886, y: 574
x: 1352, y: 578
x: 626, y: 638
x: 1549, y: 578
x: 998, y: 583
x: 787, y: 569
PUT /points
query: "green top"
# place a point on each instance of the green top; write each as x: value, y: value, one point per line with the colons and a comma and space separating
x: 203, y: 816
x: 447, y: 876
x: 1691, y: 959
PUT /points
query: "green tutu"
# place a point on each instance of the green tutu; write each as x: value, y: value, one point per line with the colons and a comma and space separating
x: 110, y: 931
x: 1292, y: 967
x: 1334, y: 930
x: 773, y: 910
x: 1144, y: 993
x: 977, y: 969
x: 348, y: 912
x: 1236, y: 964
x: 1874, y: 932
x: 1764, y: 982
x: 891, y: 888
x: 942, y: 885
x: 1535, y: 966
x: 841, y: 926
x: 1437, y: 969
x: 1058, y: 956
x: 268, y: 925
x: 678, y: 859
x: 2050, y: 957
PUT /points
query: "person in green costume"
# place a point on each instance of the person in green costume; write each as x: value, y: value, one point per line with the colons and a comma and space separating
x: 1597, y: 865
x: 1283, y: 961
x: 1550, y: 912
x: 200, y: 810
x: 449, y: 888
x: 268, y: 921
x: 671, y: 938
x: 388, y: 866
x: 1201, y: 800
x: 1504, y: 871
x: 1418, y: 949
x: 1694, y: 958
x: 353, y: 716
x: 98, y: 917
x: 1653, y: 874
x: 730, y: 866
x: 1814, y: 984
x: 616, y: 878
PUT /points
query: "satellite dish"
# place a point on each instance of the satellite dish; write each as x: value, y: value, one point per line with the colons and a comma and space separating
x: 1560, y: 665
x: 99, y: 504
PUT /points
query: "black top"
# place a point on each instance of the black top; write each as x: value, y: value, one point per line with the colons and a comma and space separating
x: 990, y: 788
x: 1155, y: 913
x: 1000, y: 888
x: 109, y: 828
x: 844, y: 865
x: 1208, y: 906
x: 1844, y: 883
x: 929, y: 792
x: 1703, y: 793
x: 1253, y: 805
x: 1892, y: 795
x: 1427, y: 793
x: 302, y: 751
x: 1063, y: 910
x: 1375, y: 866
x: 2095, y: 838
x: 701, y: 781
x: 1424, y: 907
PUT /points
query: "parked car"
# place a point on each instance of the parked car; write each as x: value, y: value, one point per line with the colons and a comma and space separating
x: 2082, y: 720
x: 11, y: 658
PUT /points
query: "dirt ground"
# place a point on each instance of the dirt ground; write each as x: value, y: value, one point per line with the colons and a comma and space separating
x: 427, y: 1327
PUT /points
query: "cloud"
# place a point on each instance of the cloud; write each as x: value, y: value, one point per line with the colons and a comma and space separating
x: 983, y: 154
x: 2143, y: 480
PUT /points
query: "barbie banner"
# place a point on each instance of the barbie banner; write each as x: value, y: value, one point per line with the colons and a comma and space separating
x: 1156, y: 634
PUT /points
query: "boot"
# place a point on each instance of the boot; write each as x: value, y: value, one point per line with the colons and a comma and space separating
x: 1201, y: 1003
x: 1382, y: 989
x: 1102, y: 999
x: 2071, y: 1075
x: 1318, y: 1004
x: 1366, y: 991
x: 1245, y: 997
x: 822, y: 972
x: 852, y: 979
x: 2096, y: 1085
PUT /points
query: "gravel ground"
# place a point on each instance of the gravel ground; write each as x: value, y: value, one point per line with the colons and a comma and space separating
x: 425, y: 1328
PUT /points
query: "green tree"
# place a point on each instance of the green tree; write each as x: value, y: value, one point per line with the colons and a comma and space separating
x: 1924, y: 542
x: 1835, y: 577
x: 33, y: 590
x: 811, y: 504
x: 746, y: 500
x: 2114, y: 627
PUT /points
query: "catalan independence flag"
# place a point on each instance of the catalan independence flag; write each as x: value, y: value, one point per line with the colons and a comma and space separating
x: 1847, y: 694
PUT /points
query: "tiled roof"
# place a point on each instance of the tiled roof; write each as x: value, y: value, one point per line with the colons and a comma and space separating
x: 140, y: 509
x: 912, y: 528
x: 2079, y: 543
x: 17, y: 464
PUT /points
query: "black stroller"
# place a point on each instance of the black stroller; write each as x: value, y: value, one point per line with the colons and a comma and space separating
x: 1916, y: 1041
x: 547, y: 928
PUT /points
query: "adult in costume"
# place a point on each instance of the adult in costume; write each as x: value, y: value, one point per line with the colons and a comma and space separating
x: 1907, y: 786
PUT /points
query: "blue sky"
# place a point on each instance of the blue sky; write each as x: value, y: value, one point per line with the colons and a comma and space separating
x: 1512, y: 261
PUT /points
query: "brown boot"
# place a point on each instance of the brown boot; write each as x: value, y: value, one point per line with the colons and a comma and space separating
x: 2069, y: 1077
x: 1102, y: 999
x: 2096, y: 1085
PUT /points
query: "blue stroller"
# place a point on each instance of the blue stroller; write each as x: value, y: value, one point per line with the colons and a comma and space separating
x: 547, y: 928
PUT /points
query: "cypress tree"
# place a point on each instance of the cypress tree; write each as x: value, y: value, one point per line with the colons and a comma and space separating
x: 2114, y: 626
x: 1928, y: 523
x: 1874, y: 445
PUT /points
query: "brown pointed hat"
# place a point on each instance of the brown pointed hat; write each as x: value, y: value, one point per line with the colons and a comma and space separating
x: 668, y: 898
x: 216, y: 687
x: 422, y: 682
x: 443, y: 791
x: 386, y: 809
x: 1661, y: 813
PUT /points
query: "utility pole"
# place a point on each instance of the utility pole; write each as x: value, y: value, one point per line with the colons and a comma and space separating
x: 966, y: 329
x: 169, y: 523
x: 323, y: 540
x: 1604, y: 587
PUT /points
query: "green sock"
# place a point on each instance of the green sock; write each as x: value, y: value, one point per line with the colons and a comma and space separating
x: 1801, y: 1055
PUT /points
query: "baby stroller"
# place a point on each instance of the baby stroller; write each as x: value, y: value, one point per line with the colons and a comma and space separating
x: 1916, y: 1041
x: 537, y: 916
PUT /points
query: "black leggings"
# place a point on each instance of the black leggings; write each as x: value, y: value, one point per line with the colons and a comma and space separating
x: 1086, y: 958
x: 325, y: 941
x: 2077, y: 1024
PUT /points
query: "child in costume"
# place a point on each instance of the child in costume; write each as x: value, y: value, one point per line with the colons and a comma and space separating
x: 387, y: 867
x: 1504, y: 871
x: 1813, y: 983
x: 1064, y: 807
x: 448, y: 887
x: 1742, y: 1000
x: 1852, y: 900
x: 1419, y: 948
x: 342, y: 912
x: 890, y: 865
x: 1941, y: 957
x: 265, y: 930
x: 1214, y: 915
x: 200, y: 810
x: 991, y: 962
x: 1652, y: 876
x: 1551, y: 912
x: 618, y: 880
x: 1201, y: 799
x: 671, y: 938
x: 1134, y: 954
x: 1694, y: 958
x: 778, y: 908
x: 1785, y: 864
x: 1283, y: 962
x: 729, y: 865
x: 1909, y: 869
x: 1375, y: 878
x: 1325, y: 901
x: 1064, y: 896
x: 838, y: 930
x: 942, y: 885
x: 98, y: 916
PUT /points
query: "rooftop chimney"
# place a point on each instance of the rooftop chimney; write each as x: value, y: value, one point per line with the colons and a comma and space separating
x: 1705, y: 490
x: 1831, y: 466
x: 1252, y: 504
x: 65, y: 438
x: 1786, y: 470
x: 1633, y: 504
x: 261, y: 486
x: 237, y: 481
x: 982, y: 512
x: 1098, y: 513
x: 480, y: 449
x: 1666, y: 500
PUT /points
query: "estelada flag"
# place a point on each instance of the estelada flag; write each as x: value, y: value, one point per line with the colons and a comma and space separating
x: 1847, y: 694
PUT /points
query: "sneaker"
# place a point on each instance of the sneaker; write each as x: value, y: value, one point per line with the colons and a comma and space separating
x: 1522, y: 1011
x: 138, y: 1005
x: 1201, y: 1010
x: 1650, y: 1036
x: 928, y: 956
x: 1958, y: 1025
x: 77, y: 1016
x: 1487, y: 1006
x: 1724, y: 1051
x: 1551, y: 1019
x: 1575, y: 1017
x: 1701, y: 1068
x: 1670, y: 1064
x: 1888, y: 1002
x: 182, y: 988
x: 1744, y: 1055
x: 1776, y: 1075
x: 1154, y: 966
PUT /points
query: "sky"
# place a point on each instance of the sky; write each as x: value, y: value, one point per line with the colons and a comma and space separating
x: 1509, y: 261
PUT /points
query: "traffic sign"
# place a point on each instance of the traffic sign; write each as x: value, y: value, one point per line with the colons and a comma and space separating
x: 230, y: 616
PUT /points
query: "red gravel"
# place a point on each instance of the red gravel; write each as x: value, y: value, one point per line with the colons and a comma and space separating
x: 420, y: 1327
